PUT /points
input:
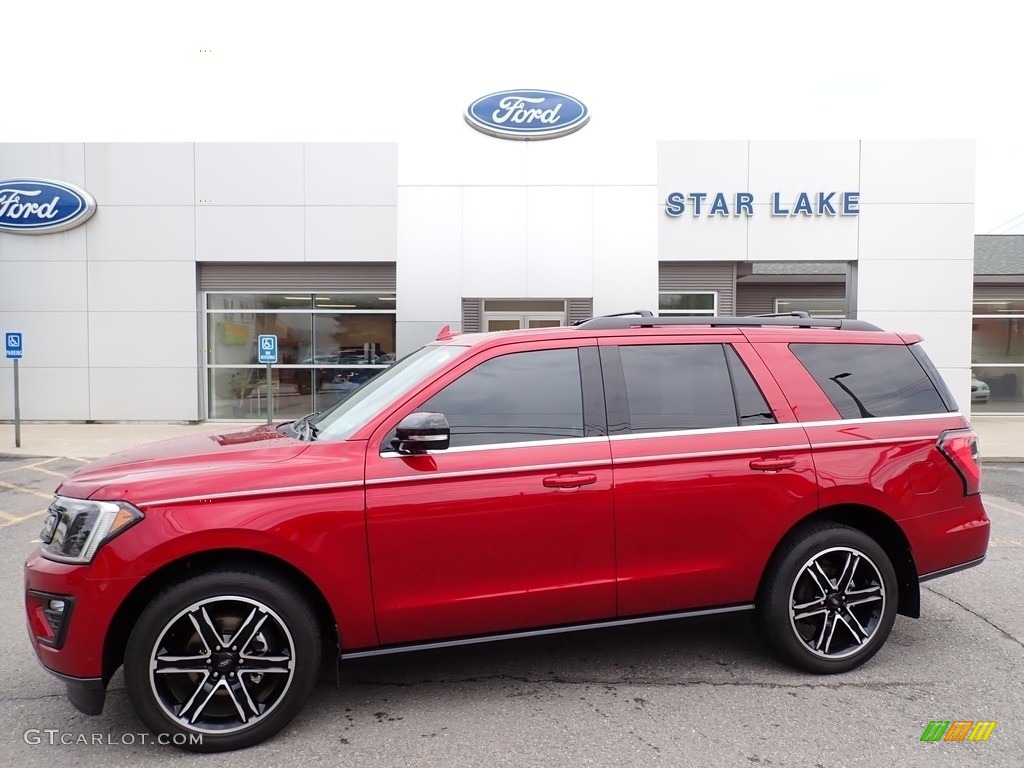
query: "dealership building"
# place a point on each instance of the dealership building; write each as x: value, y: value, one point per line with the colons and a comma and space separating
x: 148, y: 303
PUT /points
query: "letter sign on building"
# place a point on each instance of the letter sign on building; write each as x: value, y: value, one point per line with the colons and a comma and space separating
x: 38, y: 206
x: 527, y: 115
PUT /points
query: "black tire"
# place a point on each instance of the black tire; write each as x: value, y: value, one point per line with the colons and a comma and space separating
x: 261, y: 669
x: 828, y: 599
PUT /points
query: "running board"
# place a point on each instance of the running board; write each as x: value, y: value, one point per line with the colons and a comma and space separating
x: 542, y: 632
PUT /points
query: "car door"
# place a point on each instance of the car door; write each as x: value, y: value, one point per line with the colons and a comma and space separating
x: 510, y: 527
x: 708, y: 474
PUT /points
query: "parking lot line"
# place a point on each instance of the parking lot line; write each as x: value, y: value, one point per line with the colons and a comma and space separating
x: 47, y: 471
x: 29, y: 466
x: 23, y: 518
x: 33, y: 491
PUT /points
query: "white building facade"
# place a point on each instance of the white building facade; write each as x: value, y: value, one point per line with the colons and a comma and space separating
x: 353, y: 253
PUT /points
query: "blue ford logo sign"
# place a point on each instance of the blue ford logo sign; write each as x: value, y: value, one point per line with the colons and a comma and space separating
x: 37, y: 206
x: 527, y: 115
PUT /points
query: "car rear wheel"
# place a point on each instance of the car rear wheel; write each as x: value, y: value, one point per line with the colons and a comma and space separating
x: 222, y: 661
x: 828, y: 600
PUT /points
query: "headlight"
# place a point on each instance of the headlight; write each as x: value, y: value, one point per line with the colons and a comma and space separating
x: 76, y: 528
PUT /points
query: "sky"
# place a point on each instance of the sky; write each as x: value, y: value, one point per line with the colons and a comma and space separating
x: 227, y: 70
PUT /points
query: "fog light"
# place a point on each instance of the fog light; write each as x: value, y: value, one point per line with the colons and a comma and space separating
x: 48, y: 617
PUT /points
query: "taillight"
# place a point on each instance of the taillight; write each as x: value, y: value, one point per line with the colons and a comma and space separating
x: 960, y: 447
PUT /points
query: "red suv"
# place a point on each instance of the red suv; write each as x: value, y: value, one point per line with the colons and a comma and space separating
x: 630, y: 468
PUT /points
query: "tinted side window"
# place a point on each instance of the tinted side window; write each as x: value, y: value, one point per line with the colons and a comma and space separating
x: 514, y: 398
x: 677, y: 386
x: 870, y: 380
x: 751, y: 406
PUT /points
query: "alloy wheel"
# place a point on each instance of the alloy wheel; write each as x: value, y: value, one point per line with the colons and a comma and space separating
x: 222, y: 665
x: 837, y: 602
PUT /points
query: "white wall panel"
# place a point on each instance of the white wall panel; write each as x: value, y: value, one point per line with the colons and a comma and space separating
x: 52, y: 339
x: 254, y: 233
x: 143, y: 339
x: 351, y: 233
x: 249, y: 174
x: 495, y: 242
x: 629, y: 163
x: 351, y: 174
x: 801, y: 238
x: 46, y: 394
x: 142, y: 233
x: 59, y: 162
x: 582, y: 159
x: 560, y: 242
x: 625, y: 271
x: 562, y: 162
x: 410, y: 336
x: 685, y: 238
x: 27, y: 286
x: 467, y: 157
x: 902, y: 285
x: 69, y: 245
x: 429, y: 265
x: 142, y: 286
x: 923, y: 232
x: 917, y: 171
x: 143, y: 173
x: 144, y: 394
x: 946, y: 334
x: 791, y: 167
x: 702, y: 166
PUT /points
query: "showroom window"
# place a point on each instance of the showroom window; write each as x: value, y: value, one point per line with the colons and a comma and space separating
x: 328, y: 344
x: 514, y: 314
x: 997, y: 356
x: 687, y: 304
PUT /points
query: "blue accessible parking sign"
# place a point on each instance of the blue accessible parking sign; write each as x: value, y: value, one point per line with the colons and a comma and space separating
x: 268, y: 348
x: 13, y: 341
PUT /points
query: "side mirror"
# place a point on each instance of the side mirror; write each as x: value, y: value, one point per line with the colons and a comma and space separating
x: 421, y: 432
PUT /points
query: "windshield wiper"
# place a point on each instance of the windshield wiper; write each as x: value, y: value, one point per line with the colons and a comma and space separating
x: 303, y: 428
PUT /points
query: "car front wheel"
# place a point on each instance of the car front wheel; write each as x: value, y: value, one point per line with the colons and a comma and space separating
x: 222, y: 661
x: 828, y: 600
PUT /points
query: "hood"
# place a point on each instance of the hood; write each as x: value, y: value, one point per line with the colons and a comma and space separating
x: 179, y: 462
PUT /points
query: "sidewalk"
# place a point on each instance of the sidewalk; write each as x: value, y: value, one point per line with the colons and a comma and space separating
x: 1000, y: 438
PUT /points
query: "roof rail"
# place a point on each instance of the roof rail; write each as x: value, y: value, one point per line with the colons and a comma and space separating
x: 645, y: 319
x: 640, y: 312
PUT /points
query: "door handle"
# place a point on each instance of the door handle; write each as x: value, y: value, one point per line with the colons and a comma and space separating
x: 773, y: 465
x: 569, y: 481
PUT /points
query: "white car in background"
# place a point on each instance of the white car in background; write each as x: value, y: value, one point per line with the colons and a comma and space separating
x: 979, y: 391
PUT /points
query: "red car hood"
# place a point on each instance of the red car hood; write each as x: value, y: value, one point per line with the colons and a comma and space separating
x: 157, y: 468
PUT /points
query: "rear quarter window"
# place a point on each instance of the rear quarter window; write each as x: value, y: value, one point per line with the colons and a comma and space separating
x: 871, y: 380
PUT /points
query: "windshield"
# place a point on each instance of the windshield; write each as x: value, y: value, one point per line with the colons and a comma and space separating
x: 342, y: 419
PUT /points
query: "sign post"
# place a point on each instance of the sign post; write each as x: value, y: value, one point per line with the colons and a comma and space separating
x: 14, y: 347
x: 268, y: 355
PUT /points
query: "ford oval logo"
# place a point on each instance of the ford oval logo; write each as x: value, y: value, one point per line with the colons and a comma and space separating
x: 527, y: 115
x: 37, y: 206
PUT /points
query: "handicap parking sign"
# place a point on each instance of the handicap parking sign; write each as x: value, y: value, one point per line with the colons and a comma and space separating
x: 13, y: 344
x: 268, y: 348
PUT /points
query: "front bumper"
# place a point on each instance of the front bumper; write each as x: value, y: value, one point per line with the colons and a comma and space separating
x: 77, y: 657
